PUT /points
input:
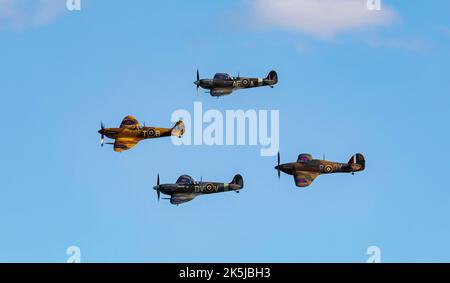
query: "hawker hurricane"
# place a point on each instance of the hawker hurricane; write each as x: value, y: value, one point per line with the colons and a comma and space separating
x: 306, y: 169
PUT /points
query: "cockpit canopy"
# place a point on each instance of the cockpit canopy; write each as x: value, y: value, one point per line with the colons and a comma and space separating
x: 304, y: 157
x: 185, y: 179
x: 222, y: 76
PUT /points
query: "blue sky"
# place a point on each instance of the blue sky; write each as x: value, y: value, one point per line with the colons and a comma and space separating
x: 348, y: 82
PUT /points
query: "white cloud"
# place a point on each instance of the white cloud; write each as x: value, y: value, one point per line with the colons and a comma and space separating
x: 324, y: 19
x: 22, y: 14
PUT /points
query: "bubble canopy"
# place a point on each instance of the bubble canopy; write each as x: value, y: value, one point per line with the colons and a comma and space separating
x: 222, y: 76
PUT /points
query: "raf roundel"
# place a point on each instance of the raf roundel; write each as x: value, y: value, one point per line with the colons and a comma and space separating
x: 128, y: 122
x: 209, y: 188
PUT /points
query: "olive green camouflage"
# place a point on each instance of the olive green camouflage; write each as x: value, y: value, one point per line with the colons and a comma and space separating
x: 186, y: 189
x: 224, y: 84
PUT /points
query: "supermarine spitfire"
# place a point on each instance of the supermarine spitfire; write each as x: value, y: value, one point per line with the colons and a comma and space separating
x: 224, y: 84
x: 306, y: 169
x: 130, y: 133
x: 186, y: 189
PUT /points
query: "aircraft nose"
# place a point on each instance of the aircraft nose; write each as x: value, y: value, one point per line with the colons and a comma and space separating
x: 197, y: 82
x: 278, y: 167
x: 100, y: 132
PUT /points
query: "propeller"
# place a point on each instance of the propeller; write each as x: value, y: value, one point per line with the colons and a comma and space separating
x: 102, y: 139
x: 278, y: 160
x: 197, y: 82
x: 157, y: 191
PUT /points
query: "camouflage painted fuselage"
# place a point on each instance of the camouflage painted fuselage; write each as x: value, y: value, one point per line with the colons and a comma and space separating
x: 318, y: 166
x: 139, y: 133
x: 223, y: 84
x: 184, y: 192
x: 306, y: 169
x: 130, y: 133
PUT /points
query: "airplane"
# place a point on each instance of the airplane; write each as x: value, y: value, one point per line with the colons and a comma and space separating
x: 224, y: 84
x: 186, y: 189
x: 130, y: 133
x: 306, y: 169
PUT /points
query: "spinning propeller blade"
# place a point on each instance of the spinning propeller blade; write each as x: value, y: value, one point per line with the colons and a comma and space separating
x: 278, y: 160
x: 102, y: 139
x: 157, y: 191
x: 197, y: 82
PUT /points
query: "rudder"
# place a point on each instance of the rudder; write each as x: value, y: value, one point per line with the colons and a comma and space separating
x: 178, y: 129
x: 273, y: 76
x: 238, y: 180
x: 358, y: 158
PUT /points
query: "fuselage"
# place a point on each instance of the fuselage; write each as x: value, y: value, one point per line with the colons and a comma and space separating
x: 234, y: 83
x: 137, y: 132
x: 223, y: 84
x: 196, y: 188
x: 318, y: 166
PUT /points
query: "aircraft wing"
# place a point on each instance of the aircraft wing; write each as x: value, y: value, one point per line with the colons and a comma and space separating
x: 129, y: 122
x: 304, y: 179
x: 122, y: 144
x: 180, y: 198
x: 221, y: 91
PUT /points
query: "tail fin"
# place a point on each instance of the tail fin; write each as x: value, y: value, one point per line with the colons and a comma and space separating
x: 178, y: 129
x: 273, y: 76
x: 358, y: 158
x: 238, y: 180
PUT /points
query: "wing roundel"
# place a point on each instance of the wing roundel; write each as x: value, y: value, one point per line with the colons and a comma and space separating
x: 304, y: 179
x: 181, y: 198
x: 304, y: 157
x: 129, y: 122
x: 122, y: 144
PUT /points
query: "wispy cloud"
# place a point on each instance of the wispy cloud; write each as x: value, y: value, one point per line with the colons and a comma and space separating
x: 444, y: 30
x: 323, y: 19
x: 412, y: 44
x: 23, y: 14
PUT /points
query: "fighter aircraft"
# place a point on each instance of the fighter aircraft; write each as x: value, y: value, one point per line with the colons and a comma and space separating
x: 186, y: 189
x: 130, y: 133
x: 224, y: 84
x: 306, y: 169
